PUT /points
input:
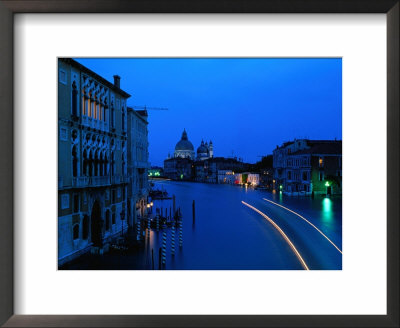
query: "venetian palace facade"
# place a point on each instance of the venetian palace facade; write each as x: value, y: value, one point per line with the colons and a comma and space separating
x: 93, y: 141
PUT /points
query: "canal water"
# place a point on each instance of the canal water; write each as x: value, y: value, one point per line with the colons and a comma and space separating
x: 228, y: 235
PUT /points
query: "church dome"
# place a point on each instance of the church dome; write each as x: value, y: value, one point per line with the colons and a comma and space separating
x: 184, y: 143
x: 202, y: 150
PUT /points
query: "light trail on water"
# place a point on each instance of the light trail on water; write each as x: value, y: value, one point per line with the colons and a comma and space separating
x: 303, y: 263
x: 302, y: 217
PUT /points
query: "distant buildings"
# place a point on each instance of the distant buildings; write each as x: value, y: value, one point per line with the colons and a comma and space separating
x: 308, y: 167
x: 155, y: 172
x: 206, y: 170
x: 184, y: 149
x: 100, y: 144
x: 178, y: 168
x: 202, y: 168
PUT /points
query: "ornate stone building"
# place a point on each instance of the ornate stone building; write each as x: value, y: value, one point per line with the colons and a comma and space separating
x: 92, y: 160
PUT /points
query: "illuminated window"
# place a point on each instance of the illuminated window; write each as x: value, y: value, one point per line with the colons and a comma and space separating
x: 83, y: 105
x: 321, y: 162
x: 92, y: 103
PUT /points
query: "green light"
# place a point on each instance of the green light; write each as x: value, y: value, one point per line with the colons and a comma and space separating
x: 327, y: 183
x: 157, y: 174
x: 280, y: 187
x: 150, y: 174
x: 181, y: 176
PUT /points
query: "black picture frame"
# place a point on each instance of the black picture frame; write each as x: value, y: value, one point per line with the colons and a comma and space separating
x: 10, y: 7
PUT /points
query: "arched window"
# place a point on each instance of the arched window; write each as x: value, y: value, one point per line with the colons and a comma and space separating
x: 74, y: 99
x: 76, y: 232
x: 112, y: 115
x: 90, y: 160
x: 96, y: 164
x: 101, y: 165
x: 85, y: 163
x: 74, y: 162
x: 105, y: 165
x: 112, y: 163
x: 83, y: 103
x: 85, y: 227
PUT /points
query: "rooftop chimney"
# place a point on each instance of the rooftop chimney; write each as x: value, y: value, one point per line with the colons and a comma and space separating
x: 117, y: 80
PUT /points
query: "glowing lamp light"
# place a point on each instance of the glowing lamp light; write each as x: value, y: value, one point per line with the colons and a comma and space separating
x: 327, y: 183
x: 181, y: 176
x: 280, y: 187
x: 148, y: 205
x: 151, y: 204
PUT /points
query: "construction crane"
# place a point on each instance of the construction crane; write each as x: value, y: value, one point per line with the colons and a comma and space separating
x: 149, y: 108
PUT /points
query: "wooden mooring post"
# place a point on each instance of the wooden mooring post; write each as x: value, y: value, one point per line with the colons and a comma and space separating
x: 194, y: 210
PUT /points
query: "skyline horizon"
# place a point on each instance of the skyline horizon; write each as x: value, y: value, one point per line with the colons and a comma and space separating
x: 246, y: 106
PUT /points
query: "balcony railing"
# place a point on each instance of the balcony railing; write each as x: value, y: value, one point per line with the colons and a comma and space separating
x: 95, y: 124
x: 81, y: 182
x: 117, y: 179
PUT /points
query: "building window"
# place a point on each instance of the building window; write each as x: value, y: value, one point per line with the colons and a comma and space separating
x: 321, y: 176
x: 321, y: 162
x: 113, y: 218
x: 305, y: 175
x: 83, y: 106
x: 74, y: 100
x: 74, y: 162
x: 76, y: 203
x: 108, y: 220
x: 76, y: 232
x: 113, y: 196
x: 63, y: 134
x: 112, y: 116
x: 289, y: 175
x: 62, y: 76
x: 64, y: 201
x: 85, y: 227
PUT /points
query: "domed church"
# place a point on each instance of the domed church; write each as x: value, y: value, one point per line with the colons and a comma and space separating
x: 205, y: 151
x: 184, y: 148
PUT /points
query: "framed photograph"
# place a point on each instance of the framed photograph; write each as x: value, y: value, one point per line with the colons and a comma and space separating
x: 201, y: 164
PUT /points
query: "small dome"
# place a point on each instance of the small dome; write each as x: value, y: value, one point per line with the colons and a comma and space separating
x: 202, y: 150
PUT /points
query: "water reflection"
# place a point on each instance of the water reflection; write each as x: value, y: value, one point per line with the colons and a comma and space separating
x: 327, y: 213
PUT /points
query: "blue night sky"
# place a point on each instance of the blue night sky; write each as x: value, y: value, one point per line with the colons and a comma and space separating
x: 245, y: 106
